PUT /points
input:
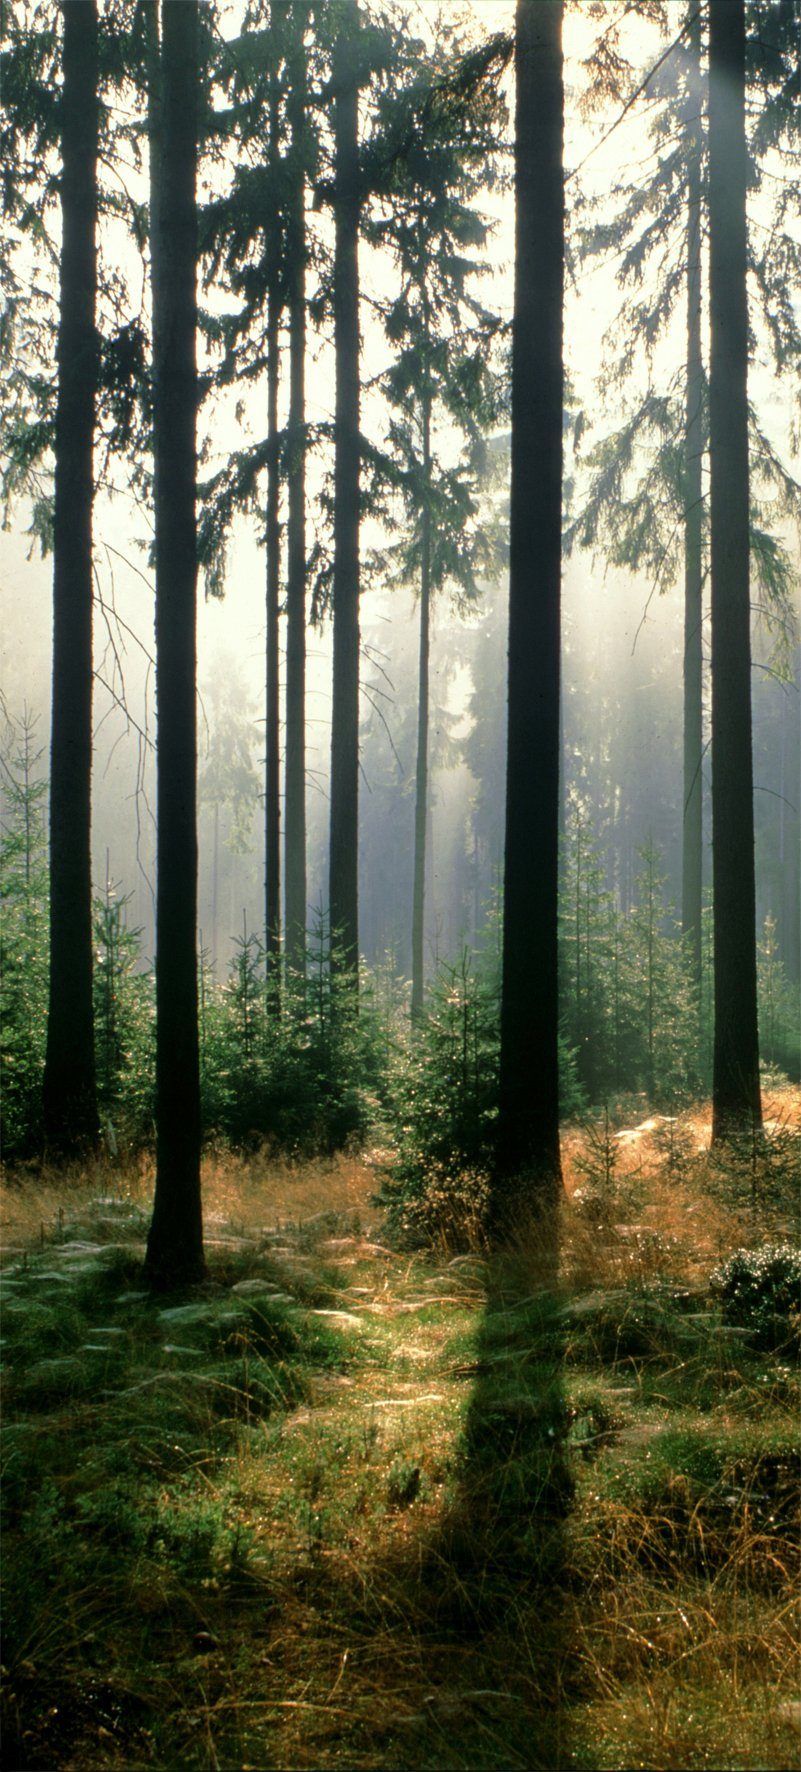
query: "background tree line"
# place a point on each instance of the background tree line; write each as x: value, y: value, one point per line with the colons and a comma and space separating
x: 320, y: 135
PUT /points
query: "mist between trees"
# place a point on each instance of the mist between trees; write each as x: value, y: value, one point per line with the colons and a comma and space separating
x: 399, y: 876
x: 322, y: 200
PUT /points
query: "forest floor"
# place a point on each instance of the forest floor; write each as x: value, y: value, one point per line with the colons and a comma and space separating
x: 348, y: 1507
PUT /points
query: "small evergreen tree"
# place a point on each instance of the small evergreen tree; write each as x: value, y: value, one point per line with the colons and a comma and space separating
x: 628, y: 1007
x: 779, y: 1007
x: 23, y: 940
x: 590, y: 984
x: 124, y: 1025
x: 658, y: 960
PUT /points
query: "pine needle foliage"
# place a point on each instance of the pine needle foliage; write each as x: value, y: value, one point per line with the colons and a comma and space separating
x: 628, y: 1004
x: 24, y: 939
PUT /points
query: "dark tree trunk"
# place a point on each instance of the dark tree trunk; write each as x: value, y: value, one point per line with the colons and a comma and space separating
x: 421, y: 776
x: 215, y: 877
x: 344, y: 830
x: 272, y: 710
x: 736, y: 1101
x: 69, y: 1092
x: 692, y: 836
x: 295, y: 773
x: 562, y: 787
x: 790, y: 849
x: 272, y: 782
x: 528, y: 1133
x: 175, y: 1242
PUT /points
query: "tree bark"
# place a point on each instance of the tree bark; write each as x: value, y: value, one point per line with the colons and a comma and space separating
x: 736, y: 1104
x: 295, y: 769
x: 69, y: 1089
x: 528, y: 1161
x: 344, y: 827
x: 175, y: 1241
x: 790, y: 854
x: 272, y: 781
x: 692, y: 800
x: 215, y: 877
x: 423, y: 699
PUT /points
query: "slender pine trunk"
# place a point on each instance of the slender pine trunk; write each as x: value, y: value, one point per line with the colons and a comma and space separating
x: 790, y: 942
x: 344, y: 827
x: 692, y: 838
x: 272, y: 780
x: 272, y: 712
x: 175, y: 1242
x: 562, y: 790
x: 736, y: 1103
x: 421, y: 773
x: 215, y: 880
x: 69, y: 1099
x: 295, y: 768
x: 528, y: 1134
x: 651, y: 931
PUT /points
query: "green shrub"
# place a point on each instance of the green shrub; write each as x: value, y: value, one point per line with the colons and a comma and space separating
x: 442, y: 1206
x: 779, y: 1017
x: 446, y: 1109
x: 306, y: 1071
x: 24, y: 942
x: 760, y: 1290
x: 125, y: 1026
x: 629, y: 1010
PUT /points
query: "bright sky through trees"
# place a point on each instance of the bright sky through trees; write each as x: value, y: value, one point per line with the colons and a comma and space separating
x: 604, y: 148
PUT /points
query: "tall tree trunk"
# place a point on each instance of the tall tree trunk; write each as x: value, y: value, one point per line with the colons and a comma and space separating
x: 692, y: 840
x: 69, y: 1090
x: 344, y: 829
x: 272, y: 710
x: 272, y: 781
x: 736, y: 1103
x: 790, y: 856
x: 528, y: 1133
x: 215, y: 878
x: 175, y: 1241
x: 295, y: 771
x: 421, y: 775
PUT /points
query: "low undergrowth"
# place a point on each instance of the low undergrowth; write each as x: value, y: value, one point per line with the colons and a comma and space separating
x: 353, y: 1506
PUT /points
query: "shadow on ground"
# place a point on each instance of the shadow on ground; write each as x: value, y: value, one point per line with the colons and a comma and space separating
x: 474, y: 1618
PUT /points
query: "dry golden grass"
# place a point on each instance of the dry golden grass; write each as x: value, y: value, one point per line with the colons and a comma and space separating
x: 264, y: 1189
x: 251, y: 1192
x: 668, y: 1217
x: 406, y: 1596
x: 35, y: 1199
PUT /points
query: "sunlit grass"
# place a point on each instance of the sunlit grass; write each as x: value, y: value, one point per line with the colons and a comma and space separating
x: 381, y: 1509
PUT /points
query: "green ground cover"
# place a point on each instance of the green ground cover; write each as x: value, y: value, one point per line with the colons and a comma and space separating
x: 353, y: 1506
